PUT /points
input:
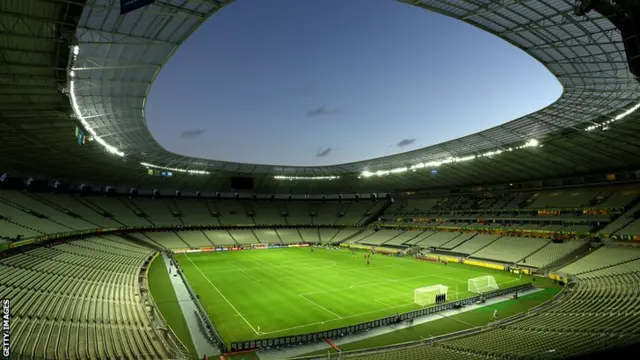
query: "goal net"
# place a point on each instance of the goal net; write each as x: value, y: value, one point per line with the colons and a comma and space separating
x: 482, y: 284
x: 427, y: 295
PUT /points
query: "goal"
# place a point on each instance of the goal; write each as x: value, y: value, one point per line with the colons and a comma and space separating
x: 482, y: 284
x: 427, y: 295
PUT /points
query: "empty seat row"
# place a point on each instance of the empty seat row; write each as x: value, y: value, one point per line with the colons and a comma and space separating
x: 80, y: 300
x: 603, y: 257
x: 511, y: 249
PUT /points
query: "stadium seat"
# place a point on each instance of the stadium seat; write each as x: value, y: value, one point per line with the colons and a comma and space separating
x: 289, y: 236
x: 510, y: 249
x: 551, y: 253
x: 267, y: 236
x: 80, y: 300
x: 475, y: 243
x: 403, y: 238
x: 601, y: 258
x: 438, y: 239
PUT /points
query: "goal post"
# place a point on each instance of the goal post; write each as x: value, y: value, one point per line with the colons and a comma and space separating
x: 427, y: 295
x: 482, y: 284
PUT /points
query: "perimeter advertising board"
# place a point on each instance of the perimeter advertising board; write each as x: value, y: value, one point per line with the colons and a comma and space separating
x: 127, y: 6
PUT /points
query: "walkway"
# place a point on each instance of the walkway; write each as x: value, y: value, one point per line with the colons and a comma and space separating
x: 278, y: 354
x: 188, y: 307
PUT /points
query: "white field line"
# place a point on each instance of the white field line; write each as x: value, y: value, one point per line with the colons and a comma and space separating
x: 287, y: 263
x: 244, y: 272
x: 368, y: 283
x: 346, y: 317
x: 279, y: 278
x: 320, y: 306
x: 333, y: 264
x: 363, y: 284
x: 221, y: 294
x: 307, y: 273
x: 272, y: 267
x: 451, y: 279
x: 456, y: 293
x: 383, y: 303
x: 373, y: 282
x: 509, y: 282
x: 341, y: 272
x: 326, y: 321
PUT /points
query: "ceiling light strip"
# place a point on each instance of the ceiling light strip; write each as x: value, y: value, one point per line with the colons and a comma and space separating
x: 452, y: 160
x: 291, y: 178
x: 622, y: 115
x: 186, y: 171
x: 76, y: 109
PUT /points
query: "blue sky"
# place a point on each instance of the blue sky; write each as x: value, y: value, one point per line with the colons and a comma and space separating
x: 301, y: 82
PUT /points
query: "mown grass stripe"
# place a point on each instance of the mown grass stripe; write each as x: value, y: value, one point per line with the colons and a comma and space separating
x: 333, y: 283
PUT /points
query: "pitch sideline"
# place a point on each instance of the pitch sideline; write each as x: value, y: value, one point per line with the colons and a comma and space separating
x: 321, y: 292
x: 224, y: 297
x: 503, y: 298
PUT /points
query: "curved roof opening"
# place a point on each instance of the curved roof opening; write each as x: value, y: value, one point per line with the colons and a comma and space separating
x: 319, y: 83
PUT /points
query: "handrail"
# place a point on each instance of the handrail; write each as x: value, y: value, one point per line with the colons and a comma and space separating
x: 218, y: 342
x: 315, y: 336
x: 182, y: 351
x: 97, y: 231
x: 434, y: 339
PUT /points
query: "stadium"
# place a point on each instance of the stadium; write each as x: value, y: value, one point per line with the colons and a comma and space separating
x: 517, y: 242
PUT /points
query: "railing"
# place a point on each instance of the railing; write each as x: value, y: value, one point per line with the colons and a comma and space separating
x: 159, y: 322
x: 295, y: 340
x: 531, y: 312
x: 212, y: 334
x: 97, y: 231
x: 505, y: 231
x: 435, y: 339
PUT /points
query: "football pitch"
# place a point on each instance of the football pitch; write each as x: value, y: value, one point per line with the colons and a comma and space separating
x: 278, y: 292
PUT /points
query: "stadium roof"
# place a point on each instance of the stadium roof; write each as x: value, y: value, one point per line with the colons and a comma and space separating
x: 68, y: 62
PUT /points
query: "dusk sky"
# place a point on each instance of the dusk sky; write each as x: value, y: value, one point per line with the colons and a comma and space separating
x: 301, y: 82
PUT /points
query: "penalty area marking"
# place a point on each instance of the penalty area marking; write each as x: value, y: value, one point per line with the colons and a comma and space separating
x: 244, y: 272
x: 221, y: 294
x: 383, y: 303
x: 374, y: 282
x: 365, y: 313
x: 328, y: 321
x: 321, y: 307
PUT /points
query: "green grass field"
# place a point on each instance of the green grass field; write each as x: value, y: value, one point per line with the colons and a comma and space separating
x: 445, y: 325
x: 277, y: 292
x: 165, y: 298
